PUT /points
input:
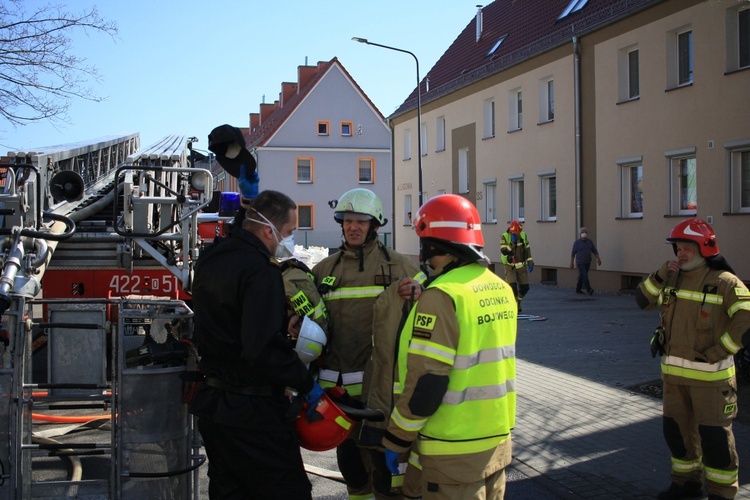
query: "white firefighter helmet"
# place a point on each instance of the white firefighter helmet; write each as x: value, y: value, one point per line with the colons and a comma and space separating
x: 362, y: 202
x: 310, y: 342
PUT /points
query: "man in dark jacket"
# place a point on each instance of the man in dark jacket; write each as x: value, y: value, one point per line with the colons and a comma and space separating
x: 244, y: 416
x: 583, y: 249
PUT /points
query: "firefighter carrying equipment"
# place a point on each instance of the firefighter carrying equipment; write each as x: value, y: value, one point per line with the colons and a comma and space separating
x: 310, y: 342
x: 360, y: 201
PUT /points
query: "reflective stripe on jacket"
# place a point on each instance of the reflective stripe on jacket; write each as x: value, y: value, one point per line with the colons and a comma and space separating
x: 349, y: 299
x: 521, y: 250
x: 476, y: 342
x: 705, y: 313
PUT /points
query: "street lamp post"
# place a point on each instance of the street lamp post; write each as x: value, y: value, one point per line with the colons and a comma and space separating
x: 419, y: 106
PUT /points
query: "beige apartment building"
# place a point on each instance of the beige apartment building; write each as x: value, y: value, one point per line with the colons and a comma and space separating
x: 624, y: 116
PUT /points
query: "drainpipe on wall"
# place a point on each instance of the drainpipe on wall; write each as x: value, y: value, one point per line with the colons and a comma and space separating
x: 577, y: 105
x: 393, y: 182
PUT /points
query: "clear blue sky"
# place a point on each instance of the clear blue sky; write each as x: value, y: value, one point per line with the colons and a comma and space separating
x: 184, y: 67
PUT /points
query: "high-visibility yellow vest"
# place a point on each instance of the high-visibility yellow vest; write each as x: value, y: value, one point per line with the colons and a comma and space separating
x: 479, y: 407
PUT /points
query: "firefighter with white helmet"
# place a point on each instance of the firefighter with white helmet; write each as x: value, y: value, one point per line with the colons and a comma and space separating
x: 352, y: 281
x: 705, y: 319
x: 459, y: 412
x: 515, y: 251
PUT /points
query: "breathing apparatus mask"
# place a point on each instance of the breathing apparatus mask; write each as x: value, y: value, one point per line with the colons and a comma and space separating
x: 285, y: 246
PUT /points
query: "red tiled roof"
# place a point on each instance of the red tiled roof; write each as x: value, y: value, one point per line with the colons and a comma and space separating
x: 531, y: 27
x: 278, y: 116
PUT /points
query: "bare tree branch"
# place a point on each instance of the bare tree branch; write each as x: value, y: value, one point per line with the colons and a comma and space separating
x: 39, y: 74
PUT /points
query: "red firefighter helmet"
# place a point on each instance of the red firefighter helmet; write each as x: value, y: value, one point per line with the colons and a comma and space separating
x: 325, y: 429
x: 451, y: 218
x: 515, y: 227
x: 695, y: 231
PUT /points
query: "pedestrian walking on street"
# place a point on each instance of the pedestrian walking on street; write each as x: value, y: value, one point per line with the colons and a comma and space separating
x: 705, y: 315
x: 583, y: 249
x: 515, y: 251
x: 456, y: 363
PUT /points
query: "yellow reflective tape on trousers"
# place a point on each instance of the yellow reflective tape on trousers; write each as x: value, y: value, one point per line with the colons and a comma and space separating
x: 740, y: 305
x: 696, y: 370
x: 686, y: 466
x: 354, y: 292
x: 434, y: 447
x: 729, y: 344
x: 726, y: 477
x: 432, y: 350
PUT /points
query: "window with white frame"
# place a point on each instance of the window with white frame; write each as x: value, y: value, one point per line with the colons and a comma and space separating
x: 408, y: 216
x: 515, y: 110
x: 738, y: 37
x: 490, y: 200
x: 323, y: 127
x: 366, y: 170
x: 548, y: 195
x: 631, y: 187
x: 680, y: 57
x: 517, y: 203
x: 304, y: 170
x: 683, y: 179
x: 489, y: 118
x: 407, y: 144
x: 305, y: 216
x: 739, y: 175
x: 546, y: 100
x: 463, y: 170
x: 346, y: 129
x: 423, y: 138
x: 629, y: 74
x: 440, y: 138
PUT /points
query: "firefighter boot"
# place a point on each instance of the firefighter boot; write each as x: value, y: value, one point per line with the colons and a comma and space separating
x: 676, y: 491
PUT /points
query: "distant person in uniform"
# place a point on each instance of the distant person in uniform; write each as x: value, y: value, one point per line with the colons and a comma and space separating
x: 515, y: 251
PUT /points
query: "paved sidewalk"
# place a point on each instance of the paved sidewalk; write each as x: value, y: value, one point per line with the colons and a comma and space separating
x: 579, y: 430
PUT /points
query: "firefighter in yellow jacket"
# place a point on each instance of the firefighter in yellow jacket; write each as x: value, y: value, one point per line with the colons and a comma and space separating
x: 515, y: 251
x: 456, y: 363
x: 351, y: 281
x: 705, y: 313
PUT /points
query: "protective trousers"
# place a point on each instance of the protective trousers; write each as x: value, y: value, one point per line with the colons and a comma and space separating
x: 244, y: 463
x: 490, y: 488
x: 698, y: 429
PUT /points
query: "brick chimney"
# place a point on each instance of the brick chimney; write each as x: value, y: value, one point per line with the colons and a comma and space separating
x: 265, y: 111
x: 288, y: 89
x: 304, y: 75
x: 254, y: 121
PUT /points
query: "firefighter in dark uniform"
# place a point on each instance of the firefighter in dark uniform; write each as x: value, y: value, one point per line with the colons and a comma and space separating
x: 705, y: 319
x: 244, y: 416
x: 456, y: 363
